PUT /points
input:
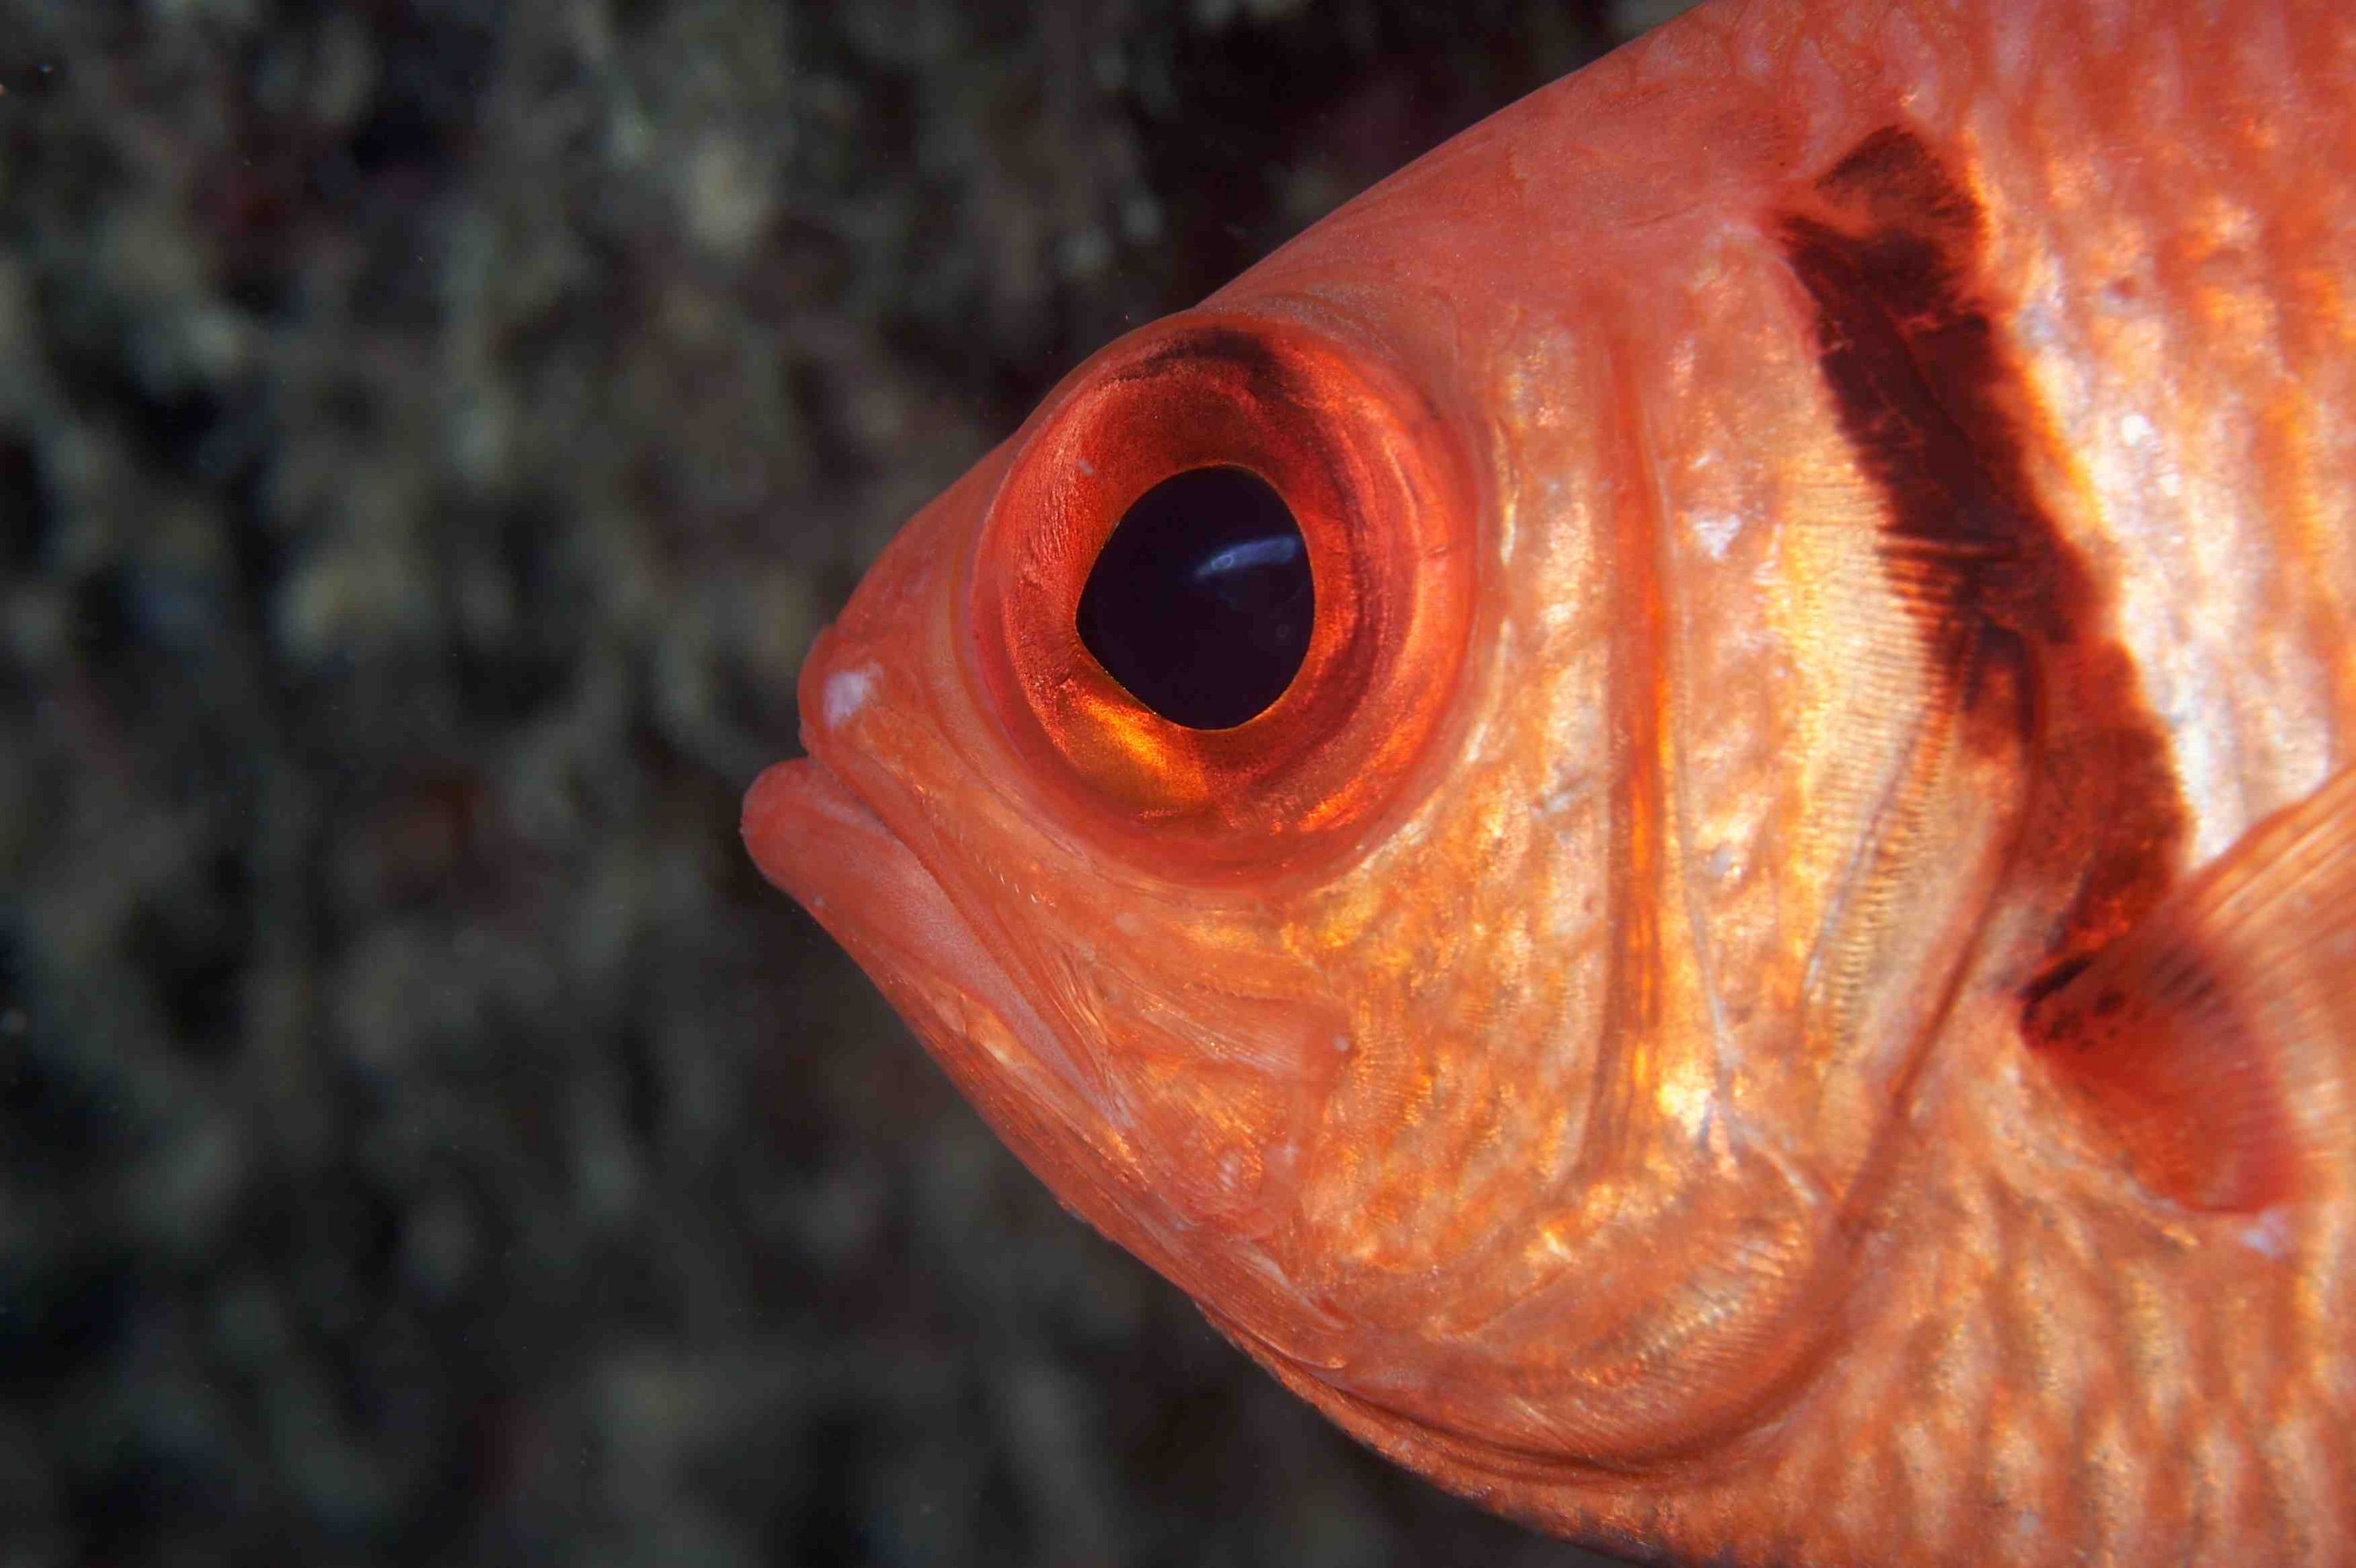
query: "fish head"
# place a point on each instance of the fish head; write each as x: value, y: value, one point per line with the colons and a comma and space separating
x: 1490, y: 1028
x: 1150, y: 950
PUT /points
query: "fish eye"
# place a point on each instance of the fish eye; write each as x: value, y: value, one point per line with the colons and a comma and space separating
x: 1220, y: 596
x: 1201, y: 602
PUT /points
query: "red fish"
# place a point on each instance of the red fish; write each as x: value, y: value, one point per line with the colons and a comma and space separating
x: 1670, y: 809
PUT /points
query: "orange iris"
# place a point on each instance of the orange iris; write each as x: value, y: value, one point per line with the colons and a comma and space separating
x: 1380, y: 492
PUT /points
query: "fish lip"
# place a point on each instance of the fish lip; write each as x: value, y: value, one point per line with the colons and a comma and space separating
x: 819, y: 842
x: 817, y: 839
x: 795, y: 787
x: 802, y: 800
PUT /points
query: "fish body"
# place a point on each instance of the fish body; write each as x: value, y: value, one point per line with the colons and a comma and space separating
x: 1777, y: 986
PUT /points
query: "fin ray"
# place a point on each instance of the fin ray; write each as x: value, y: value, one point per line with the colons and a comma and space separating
x: 2213, y: 1038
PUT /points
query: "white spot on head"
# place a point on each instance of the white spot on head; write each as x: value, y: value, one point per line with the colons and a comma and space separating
x: 1716, y: 530
x: 847, y: 691
x: 1341, y: 1043
x: 2269, y: 1234
x: 2136, y: 430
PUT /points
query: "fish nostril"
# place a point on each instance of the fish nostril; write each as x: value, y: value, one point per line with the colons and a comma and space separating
x: 1201, y: 603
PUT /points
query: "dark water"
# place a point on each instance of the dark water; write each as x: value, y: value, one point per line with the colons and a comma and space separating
x: 430, y: 434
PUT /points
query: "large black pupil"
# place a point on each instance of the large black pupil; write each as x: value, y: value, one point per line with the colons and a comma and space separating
x: 1200, y: 602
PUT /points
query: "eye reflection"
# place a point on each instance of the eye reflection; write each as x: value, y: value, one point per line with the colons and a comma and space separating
x: 1200, y: 603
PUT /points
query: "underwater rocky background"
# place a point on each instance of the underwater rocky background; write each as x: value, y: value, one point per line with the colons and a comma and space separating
x: 430, y: 434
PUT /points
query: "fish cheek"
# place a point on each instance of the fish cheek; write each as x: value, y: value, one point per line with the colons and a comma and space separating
x: 1220, y: 1062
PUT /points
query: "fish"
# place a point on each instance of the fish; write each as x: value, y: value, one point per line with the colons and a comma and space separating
x: 1669, y: 809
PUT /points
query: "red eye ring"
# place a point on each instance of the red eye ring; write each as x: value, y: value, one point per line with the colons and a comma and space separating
x: 1377, y: 486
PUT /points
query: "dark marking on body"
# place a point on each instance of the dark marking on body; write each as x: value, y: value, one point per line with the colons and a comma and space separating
x: 1889, y: 247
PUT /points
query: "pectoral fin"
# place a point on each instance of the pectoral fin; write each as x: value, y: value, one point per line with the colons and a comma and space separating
x: 2214, y: 1039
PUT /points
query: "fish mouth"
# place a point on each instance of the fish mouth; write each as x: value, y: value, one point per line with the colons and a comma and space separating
x: 818, y: 841
x: 800, y: 805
